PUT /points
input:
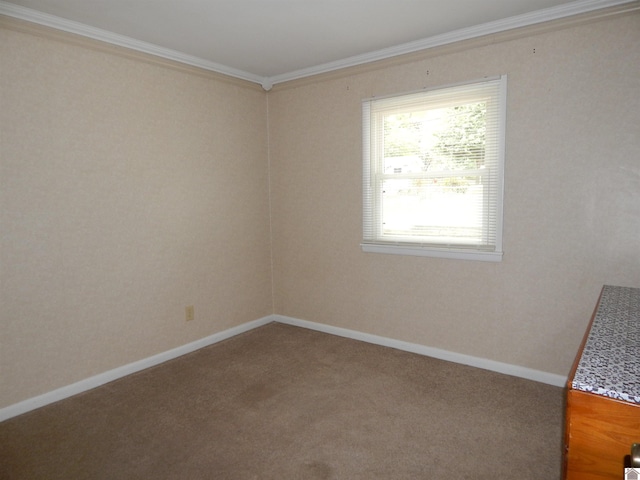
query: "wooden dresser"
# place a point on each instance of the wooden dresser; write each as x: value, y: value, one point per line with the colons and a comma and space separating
x: 602, y: 418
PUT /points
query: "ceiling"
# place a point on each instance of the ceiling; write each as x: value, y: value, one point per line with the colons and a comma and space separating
x: 270, y: 41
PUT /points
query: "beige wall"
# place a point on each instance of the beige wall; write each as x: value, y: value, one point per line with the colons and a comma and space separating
x: 129, y: 190
x: 572, y: 200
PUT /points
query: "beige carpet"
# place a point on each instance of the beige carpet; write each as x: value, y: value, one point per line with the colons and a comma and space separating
x: 282, y: 402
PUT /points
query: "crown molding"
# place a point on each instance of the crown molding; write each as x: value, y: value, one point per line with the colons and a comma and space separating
x: 77, y: 28
x: 511, y: 23
x: 541, y: 16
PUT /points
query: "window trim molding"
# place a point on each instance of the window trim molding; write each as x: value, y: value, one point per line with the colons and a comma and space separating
x: 428, y: 251
x: 438, y: 251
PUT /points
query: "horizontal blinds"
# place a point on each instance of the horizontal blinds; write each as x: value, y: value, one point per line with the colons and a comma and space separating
x: 432, y: 167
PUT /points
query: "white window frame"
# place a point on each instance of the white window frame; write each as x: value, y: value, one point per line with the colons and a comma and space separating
x: 374, y: 241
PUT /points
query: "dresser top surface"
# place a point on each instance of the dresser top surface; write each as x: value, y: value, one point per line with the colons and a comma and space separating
x: 610, y: 360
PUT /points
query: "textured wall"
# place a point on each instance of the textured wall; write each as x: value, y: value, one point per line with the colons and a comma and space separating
x: 128, y: 190
x: 572, y: 200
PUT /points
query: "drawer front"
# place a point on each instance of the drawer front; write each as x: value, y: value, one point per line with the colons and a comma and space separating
x: 599, y: 432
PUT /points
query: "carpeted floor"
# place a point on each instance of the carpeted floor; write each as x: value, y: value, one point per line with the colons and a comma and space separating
x: 281, y: 402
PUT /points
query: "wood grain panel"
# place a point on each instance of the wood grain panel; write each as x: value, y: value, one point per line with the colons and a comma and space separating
x: 599, y: 432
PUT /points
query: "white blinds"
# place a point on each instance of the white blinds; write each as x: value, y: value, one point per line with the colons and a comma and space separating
x: 433, y: 168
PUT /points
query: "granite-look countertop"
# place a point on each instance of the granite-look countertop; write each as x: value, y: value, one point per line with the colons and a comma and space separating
x: 610, y: 361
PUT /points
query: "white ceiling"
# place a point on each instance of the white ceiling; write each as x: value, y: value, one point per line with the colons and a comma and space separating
x: 269, y: 41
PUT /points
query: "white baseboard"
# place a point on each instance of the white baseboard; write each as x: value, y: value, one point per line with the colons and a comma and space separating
x: 111, y: 375
x: 486, y: 364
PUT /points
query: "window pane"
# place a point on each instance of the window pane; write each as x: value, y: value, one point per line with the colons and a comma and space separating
x: 445, y: 209
x: 451, y: 138
x: 433, y: 171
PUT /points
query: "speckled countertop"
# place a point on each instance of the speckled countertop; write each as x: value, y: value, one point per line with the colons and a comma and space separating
x: 610, y: 361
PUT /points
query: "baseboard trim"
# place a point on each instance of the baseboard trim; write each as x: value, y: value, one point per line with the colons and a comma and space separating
x: 486, y: 364
x: 111, y: 375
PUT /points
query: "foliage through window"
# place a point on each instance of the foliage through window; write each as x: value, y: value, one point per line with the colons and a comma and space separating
x: 433, y: 171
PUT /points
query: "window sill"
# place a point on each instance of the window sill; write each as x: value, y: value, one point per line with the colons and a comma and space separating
x: 433, y: 252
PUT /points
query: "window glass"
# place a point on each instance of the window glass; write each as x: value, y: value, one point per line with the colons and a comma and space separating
x: 433, y: 172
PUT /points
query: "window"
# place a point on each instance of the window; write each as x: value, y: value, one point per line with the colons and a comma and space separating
x: 433, y: 172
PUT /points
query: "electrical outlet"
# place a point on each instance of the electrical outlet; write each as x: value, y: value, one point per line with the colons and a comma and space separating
x: 189, y: 313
